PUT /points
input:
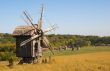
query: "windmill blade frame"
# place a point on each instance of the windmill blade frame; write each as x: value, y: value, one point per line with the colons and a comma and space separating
x: 29, y: 15
x: 45, y: 40
x: 29, y: 19
x: 26, y: 21
x: 50, y: 29
x: 40, y: 19
x: 28, y: 40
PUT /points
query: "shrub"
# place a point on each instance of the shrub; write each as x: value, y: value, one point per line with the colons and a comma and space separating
x: 6, y: 55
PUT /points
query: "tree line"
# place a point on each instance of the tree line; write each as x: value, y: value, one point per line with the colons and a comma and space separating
x: 80, y: 40
x: 8, y: 47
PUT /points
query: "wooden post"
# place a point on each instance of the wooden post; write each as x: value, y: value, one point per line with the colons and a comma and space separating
x: 50, y: 59
x: 10, y: 62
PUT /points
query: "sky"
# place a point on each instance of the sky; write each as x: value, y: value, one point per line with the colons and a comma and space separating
x: 77, y: 17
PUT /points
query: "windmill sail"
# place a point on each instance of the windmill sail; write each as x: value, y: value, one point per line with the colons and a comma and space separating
x: 28, y: 40
x: 29, y: 19
x: 40, y: 20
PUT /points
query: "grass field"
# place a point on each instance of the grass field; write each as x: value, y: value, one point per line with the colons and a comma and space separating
x: 82, y: 50
x: 86, y: 59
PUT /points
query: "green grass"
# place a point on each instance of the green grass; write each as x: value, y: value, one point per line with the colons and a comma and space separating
x: 90, y: 49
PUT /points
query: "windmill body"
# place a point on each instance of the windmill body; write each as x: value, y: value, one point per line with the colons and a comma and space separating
x: 32, y: 49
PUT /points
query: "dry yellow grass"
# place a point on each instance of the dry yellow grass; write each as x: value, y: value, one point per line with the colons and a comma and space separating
x: 99, y: 61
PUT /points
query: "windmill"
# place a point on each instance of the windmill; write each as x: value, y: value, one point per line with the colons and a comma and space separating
x: 31, y: 39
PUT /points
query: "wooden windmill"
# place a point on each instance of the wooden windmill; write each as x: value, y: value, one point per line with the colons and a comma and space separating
x: 30, y: 40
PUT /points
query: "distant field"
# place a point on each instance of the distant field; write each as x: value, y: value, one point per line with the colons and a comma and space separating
x: 86, y: 59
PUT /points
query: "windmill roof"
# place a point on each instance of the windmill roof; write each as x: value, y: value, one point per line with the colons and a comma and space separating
x: 23, y: 30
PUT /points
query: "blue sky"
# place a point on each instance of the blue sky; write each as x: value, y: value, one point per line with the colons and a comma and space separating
x: 78, y: 17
